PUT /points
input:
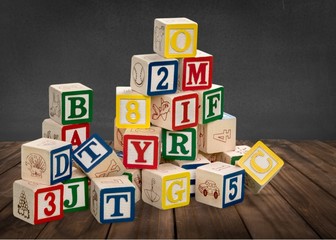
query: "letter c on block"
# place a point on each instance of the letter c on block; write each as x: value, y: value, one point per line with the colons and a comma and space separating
x: 257, y: 167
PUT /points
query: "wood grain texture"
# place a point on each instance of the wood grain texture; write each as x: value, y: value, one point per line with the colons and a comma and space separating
x: 10, y: 156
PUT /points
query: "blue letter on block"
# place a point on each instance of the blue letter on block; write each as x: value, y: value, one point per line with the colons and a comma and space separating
x: 91, y: 152
x: 61, y: 164
x: 117, y: 204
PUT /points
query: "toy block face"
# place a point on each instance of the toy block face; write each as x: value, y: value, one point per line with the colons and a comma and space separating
x: 175, y: 111
x: 152, y: 74
x: 97, y: 159
x: 179, y: 145
x: 166, y: 187
x: 196, y: 72
x: 175, y: 37
x: 46, y: 161
x: 142, y: 148
x: 261, y: 165
x: 132, y: 110
x: 118, y: 143
x: 112, y: 199
x: 191, y: 167
x: 76, y: 192
x: 72, y: 133
x: 134, y: 175
x: 218, y: 136
x: 219, y: 184
x: 214, y: 157
x: 211, y: 104
x: 70, y: 103
x: 233, y: 156
x: 37, y: 203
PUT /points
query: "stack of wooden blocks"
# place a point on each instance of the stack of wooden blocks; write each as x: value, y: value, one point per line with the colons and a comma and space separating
x: 172, y: 140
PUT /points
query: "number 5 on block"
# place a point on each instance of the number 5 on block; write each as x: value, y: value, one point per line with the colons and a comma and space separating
x: 132, y: 110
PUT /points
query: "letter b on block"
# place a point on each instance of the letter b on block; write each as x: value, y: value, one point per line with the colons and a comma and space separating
x: 70, y: 103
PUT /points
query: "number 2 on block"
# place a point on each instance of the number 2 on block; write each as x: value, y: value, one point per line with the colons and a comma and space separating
x: 161, y: 85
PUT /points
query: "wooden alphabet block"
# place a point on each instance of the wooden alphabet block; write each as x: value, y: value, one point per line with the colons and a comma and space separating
x: 46, y: 161
x: 72, y: 133
x: 112, y: 199
x: 214, y: 157
x: 70, y: 103
x: 132, y: 109
x: 152, y: 74
x: 218, y: 136
x: 261, y: 165
x: 166, y: 187
x: 179, y: 145
x: 97, y: 159
x: 142, y: 148
x: 191, y: 167
x: 211, y: 104
x: 134, y: 175
x: 175, y: 111
x: 76, y: 192
x: 118, y: 142
x: 219, y: 184
x: 195, y: 72
x: 175, y: 37
x: 37, y: 203
x: 233, y: 156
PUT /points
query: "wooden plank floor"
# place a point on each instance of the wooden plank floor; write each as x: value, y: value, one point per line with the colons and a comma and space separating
x: 300, y: 202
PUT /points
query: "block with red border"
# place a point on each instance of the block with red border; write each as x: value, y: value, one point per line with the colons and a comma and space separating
x: 37, y: 203
x: 132, y: 109
x: 142, y: 148
x: 175, y: 111
x: 72, y: 133
x: 195, y: 72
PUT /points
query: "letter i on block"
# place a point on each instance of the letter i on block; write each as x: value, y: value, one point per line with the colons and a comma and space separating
x: 166, y: 187
x: 133, y: 109
x: 142, y: 148
x: 261, y: 165
x: 195, y: 72
x: 46, y: 161
x: 70, y: 103
x: 76, y: 192
x: 72, y: 133
x: 175, y: 37
x: 37, y: 203
x: 152, y: 74
x: 219, y: 184
x: 112, y: 199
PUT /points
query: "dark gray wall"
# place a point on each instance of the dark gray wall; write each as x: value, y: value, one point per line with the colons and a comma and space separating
x: 276, y: 59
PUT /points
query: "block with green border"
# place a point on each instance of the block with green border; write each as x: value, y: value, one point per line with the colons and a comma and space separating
x: 233, y: 156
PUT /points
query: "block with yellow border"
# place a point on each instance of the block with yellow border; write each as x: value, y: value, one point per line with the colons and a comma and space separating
x: 175, y: 37
x: 132, y: 109
x: 261, y: 165
x: 166, y: 187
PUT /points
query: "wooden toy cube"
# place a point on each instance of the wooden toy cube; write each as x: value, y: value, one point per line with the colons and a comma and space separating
x: 46, y: 161
x: 72, y: 133
x: 142, y: 147
x: 233, y: 156
x: 211, y: 104
x: 70, y: 103
x: 152, y: 74
x: 76, y: 192
x: 261, y: 165
x: 195, y: 72
x: 218, y: 136
x: 214, y: 157
x: 97, y: 159
x: 219, y: 184
x: 118, y: 142
x: 132, y: 109
x: 179, y: 145
x: 112, y: 199
x: 175, y: 37
x: 166, y: 187
x: 37, y: 203
x: 191, y: 167
x: 134, y: 175
x: 175, y: 111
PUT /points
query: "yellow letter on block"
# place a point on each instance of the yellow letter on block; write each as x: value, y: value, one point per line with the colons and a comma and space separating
x: 176, y: 190
x: 261, y: 165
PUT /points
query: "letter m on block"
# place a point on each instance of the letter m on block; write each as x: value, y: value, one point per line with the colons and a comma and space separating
x: 197, y: 72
